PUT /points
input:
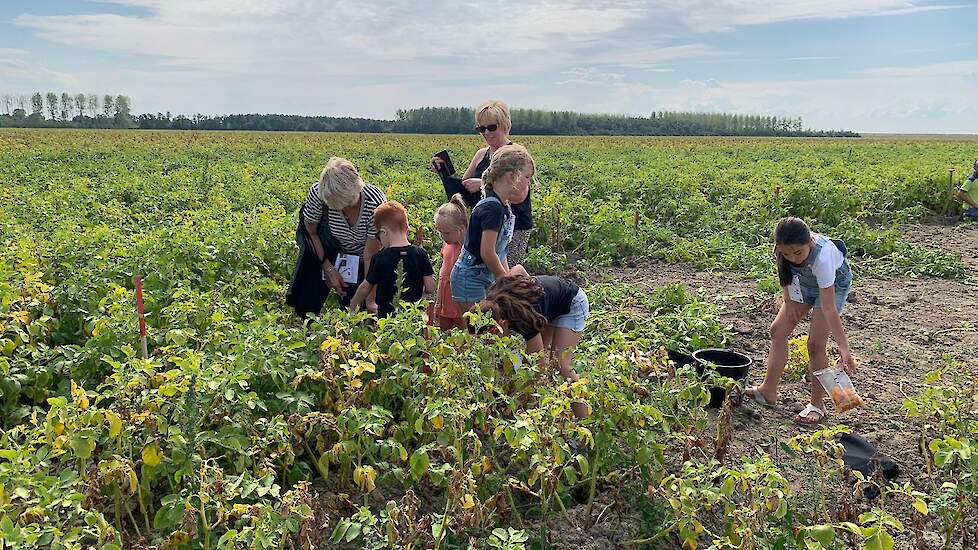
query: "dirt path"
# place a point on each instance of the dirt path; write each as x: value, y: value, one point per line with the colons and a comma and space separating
x: 948, y: 235
x: 899, y: 329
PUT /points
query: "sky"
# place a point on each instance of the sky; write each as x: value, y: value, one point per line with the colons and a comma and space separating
x: 904, y: 66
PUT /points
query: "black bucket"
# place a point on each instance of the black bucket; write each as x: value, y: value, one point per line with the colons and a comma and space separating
x: 727, y: 363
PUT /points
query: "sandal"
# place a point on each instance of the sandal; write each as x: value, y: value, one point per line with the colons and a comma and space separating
x: 803, y: 417
x: 755, y: 394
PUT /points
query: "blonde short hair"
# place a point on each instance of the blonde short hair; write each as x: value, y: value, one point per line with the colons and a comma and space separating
x: 497, y: 112
x: 340, y: 184
x: 454, y: 212
x: 508, y: 158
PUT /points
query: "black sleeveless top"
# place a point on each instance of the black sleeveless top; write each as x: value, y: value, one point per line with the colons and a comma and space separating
x: 523, y: 211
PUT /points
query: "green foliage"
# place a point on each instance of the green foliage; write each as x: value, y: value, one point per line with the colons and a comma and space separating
x: 668, y: 316
x: 241, y: 416
x: 950, y: 434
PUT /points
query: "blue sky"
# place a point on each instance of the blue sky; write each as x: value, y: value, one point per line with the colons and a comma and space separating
x: 867, y: 65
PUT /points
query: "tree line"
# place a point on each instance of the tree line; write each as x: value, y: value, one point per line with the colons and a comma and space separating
x: 448, y: 120
x: 89, y: 111
x: 270, y: 123
x: 65, y: 110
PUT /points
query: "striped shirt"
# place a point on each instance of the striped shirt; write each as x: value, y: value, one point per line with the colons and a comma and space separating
x: 353, y: 238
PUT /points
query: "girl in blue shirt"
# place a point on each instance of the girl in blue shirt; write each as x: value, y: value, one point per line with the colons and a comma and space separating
x: 484, y: 254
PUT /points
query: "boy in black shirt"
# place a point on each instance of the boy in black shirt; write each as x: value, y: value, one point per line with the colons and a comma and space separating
x: 390, y: 219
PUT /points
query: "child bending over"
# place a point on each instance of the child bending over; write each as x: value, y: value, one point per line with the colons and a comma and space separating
x: 814, y: 276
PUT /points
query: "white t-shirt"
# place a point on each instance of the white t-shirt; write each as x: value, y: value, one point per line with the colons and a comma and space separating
x: 829, y: 260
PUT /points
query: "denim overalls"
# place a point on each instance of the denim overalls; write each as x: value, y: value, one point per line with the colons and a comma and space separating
x: 470, y: 280
x: 809, y: 285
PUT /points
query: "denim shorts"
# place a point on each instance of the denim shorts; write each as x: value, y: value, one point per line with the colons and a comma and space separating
x: 469, y: 283
x: 577, y: 316
x: 814, y: 298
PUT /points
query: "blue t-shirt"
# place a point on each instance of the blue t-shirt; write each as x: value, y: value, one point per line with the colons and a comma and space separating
x: 487, y: 215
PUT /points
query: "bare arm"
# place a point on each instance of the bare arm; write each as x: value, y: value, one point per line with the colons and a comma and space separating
x: 429, y: 284
x: 487, y: 249
x: 312, y: 231
x: 470, y: 171
x: 369, y: 251
x: 363, y: 291
x: 535, y: 345
x: 831, y: 315
x: 471, y: 180
x: 964, y: 197
x: 333, y: 279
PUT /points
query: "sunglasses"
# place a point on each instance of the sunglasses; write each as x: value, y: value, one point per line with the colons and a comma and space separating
x: 484, y: 129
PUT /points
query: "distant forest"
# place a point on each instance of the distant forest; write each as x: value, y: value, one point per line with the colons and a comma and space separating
x: 66, y: 110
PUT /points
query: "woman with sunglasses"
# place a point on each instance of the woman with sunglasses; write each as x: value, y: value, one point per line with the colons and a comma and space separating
x: 493, y: 122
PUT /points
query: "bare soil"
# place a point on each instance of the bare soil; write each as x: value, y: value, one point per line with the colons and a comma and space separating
x: 899, y: 328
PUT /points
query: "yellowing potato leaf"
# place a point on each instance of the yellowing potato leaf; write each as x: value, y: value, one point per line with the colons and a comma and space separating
x: 115, y: 423
x: 151, y: 455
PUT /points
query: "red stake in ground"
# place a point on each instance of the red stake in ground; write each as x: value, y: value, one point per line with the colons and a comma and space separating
x: 142, y: 314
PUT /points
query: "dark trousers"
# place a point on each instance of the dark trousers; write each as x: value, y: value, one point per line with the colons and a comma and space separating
x: 308, y: 291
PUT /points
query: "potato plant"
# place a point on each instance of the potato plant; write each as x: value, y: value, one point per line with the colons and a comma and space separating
x: 248, y: 428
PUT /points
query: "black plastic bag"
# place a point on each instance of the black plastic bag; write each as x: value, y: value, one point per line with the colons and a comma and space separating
x: 860, y: 456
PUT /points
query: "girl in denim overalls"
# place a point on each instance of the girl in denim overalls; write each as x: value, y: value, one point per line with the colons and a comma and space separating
x: 814, y: 275
x: 483, y: 256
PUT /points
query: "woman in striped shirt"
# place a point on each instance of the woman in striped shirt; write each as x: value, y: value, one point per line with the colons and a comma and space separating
x: 338, y: 217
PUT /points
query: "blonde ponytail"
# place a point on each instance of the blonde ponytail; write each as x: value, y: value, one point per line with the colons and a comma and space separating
x: 454, y: 211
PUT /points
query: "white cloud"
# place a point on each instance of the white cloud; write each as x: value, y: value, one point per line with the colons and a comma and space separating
x: 18, y: 72
x: 812, y: 58
x: 654, y: 57
x: 727, y: 14
x: 708, y: 84
x: 871, y: 104
x: 590, y: 75
x: 371, y: 57
x: 953, y: 69
x: 13, y: 52
x: 366, y: 38
x: 400, y: 38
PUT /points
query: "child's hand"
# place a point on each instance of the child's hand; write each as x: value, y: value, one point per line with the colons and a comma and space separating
x: 848, y: 362
x: 372, y: 306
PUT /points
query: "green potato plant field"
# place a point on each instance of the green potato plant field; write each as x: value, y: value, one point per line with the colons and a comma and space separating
x: 247, y: 428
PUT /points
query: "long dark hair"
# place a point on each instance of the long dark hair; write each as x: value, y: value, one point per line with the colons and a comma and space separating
x: 512, y: 299
x: 789, y: 231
